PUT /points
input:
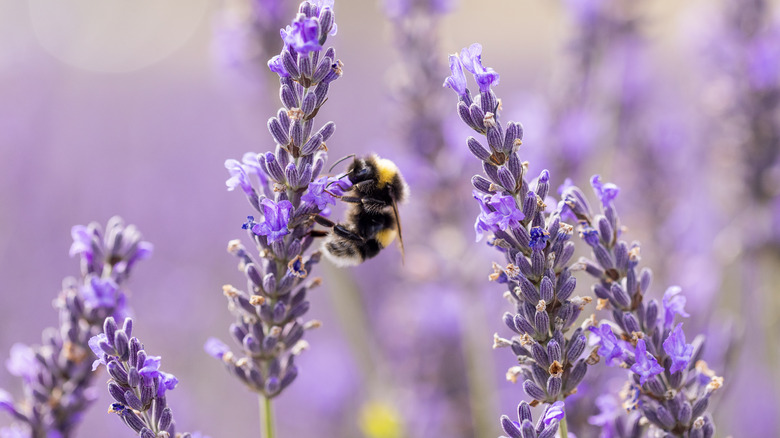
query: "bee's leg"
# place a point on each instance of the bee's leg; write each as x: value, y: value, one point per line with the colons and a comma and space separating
x: 352, y: 199
x: 338, y: 229
x: 325, y: 222
x: 318, y: 233
x: 342, y: 231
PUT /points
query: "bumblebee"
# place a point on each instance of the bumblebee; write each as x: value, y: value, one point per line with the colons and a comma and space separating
x: 372, y: 221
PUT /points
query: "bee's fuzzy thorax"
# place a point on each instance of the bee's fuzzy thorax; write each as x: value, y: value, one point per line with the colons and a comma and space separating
x: 387, y: 173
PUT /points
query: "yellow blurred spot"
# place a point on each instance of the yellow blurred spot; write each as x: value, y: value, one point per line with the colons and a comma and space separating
x: 380, y: 420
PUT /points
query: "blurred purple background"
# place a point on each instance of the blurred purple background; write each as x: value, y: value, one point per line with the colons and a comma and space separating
x: 132, y: 110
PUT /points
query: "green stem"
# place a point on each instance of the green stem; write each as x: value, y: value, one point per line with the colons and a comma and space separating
x: 266, y: 417
x: 563, y: 428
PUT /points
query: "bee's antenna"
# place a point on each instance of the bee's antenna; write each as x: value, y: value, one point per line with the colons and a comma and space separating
x: 339, y: 161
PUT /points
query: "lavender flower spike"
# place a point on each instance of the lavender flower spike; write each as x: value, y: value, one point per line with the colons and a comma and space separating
x: 669, y: 386
x: 57, y: 375
x: 137, y: 384
x: 536, y: 251
x: 269, y: 326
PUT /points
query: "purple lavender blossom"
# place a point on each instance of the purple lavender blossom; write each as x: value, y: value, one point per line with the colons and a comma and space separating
x: 678, y: 350
x: 276, y: 217
x: 554, y: 413
x: 103, y: 292
x: 674, y: 304
x: 482, y: 224
x: 275, y: 65
x: 610, y: 348
x: 609, y: 411
x: 323, y: 191
x: 456, y: 81
x: 238, y: 177
x: 471, y: 57
x: 606, y: 192
x: 505, y: 213
x: 646, y: 366
x: 303, y: 35
x: 22, y: 362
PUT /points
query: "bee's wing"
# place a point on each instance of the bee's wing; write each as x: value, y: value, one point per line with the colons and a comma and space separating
x: 400, y: 236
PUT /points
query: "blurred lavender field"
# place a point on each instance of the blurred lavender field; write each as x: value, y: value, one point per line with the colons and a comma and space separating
x: 132, y: 110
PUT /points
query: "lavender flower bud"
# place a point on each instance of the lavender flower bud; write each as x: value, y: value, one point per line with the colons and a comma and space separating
x: 481, y: 184
x: 477, y: 149
x: 312, y: 145
x: 133, y: 378
x: 523, y: 326
x: 321, y: 91
x: 621, y: 255
x: 118, y: 373
x: 133, y: 401
x: 529, y: 204
x: 495, y: 137
x: 288, y: 97
x: 514, y: 132
x: 665, y: 417
x: 533, y: 390
x: 620, y: 296
x: 289, y: 64
x: 651, y: 316
x: 529, y: 291
x: 576, y: 375
x: 538, y: 262
x: 540, y: 355
x: 465, y: 115
x: 132, y: 420
x: 554, y: 385
x: 554, y: 351
x: 274, y: 170
x: 700, y: 406
x: 645, y: 278
x: 309, y: 103
x: 527, y: 429
x: 296, y: 133
x: 117, y: 392
x: 655, y: 386
x: 165, y: 419
x: 304, y: 66
x: 291, y: 174
x: 277, y: 131
x: 686, y: 413
x: 576, y: 347
x: 478, y: 116
x: 565, y: 291
x: 516, y: 167
x: 546, y: 290
x: 605, y: 230
x: 631, y: 323
x: 506, y: 179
